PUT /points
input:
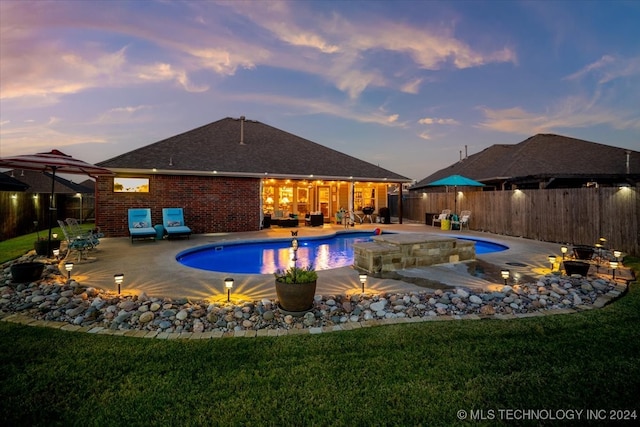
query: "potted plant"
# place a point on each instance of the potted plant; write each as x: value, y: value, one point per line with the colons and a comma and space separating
x: 296, y: 288
x: 576, y: 267
x: 42, y: 245
x: 583, y: 252
x: 26, y: 271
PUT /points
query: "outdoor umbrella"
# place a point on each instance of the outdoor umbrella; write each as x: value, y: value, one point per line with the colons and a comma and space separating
x: 455, y: 181
x: 55, y: 161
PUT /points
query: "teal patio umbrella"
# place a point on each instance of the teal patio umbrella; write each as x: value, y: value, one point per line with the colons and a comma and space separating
x: 455, y: 181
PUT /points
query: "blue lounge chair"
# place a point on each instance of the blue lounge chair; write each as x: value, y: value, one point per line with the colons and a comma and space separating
x: 140, y: 224
x: 173, y: 222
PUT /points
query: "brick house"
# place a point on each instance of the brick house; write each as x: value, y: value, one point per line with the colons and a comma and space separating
x: 544, y: 161
x: 228, y: 175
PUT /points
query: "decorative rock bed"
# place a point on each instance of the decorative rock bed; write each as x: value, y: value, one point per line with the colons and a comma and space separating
x: 56, y: 300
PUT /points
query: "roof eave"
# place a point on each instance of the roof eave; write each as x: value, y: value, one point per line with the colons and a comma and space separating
x: 255, y: 175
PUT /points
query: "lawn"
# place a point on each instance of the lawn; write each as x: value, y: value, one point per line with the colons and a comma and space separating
x: 405, y: 375
x: 18, y: 246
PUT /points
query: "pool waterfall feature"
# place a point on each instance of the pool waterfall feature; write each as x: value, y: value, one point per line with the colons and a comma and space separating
x: 393, y: 252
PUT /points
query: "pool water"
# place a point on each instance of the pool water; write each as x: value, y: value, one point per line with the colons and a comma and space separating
x: 265, y: 257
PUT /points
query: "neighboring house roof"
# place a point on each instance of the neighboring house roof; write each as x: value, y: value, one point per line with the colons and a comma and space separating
x: 40, y: 182
x: 240, y: 147
x: 544, y: 157
x: 9, y: 183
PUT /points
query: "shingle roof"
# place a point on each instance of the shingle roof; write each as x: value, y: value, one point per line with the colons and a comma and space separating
x: 542, y: 155
x: 9, y: 183
x: 40, y: 182
x: 264, y: 149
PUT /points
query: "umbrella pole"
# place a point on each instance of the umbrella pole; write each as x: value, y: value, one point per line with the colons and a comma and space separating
x: 52, y: 208
x: 455, y: 200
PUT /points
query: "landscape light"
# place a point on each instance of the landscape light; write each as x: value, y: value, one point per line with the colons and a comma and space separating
x: 118, y: 278
x: 363, y: 280
x: 68, y: 266
x: 552, y: 260
x: 228, y: 283
x: 563, y: 249
x: 505, y: 275
x: 613, y: 265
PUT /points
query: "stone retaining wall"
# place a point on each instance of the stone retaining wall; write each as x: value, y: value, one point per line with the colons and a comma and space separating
x: 392, y: 252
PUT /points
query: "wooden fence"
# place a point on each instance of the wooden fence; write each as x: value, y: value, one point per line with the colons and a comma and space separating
x: 572, y: 216
x: 18, y: 211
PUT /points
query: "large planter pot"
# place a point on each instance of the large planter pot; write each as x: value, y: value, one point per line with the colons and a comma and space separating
x: 27, y: 272
x: 42, y: 247
x: 583, y: 252
x: 296, y: 297
x: 576, y: 267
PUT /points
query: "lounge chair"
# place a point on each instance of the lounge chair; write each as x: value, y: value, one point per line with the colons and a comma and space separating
x: 173, y: 222
x: 438, y: 219
x: 75, y: 243
x: 140, y: 224
x: 462, y: 221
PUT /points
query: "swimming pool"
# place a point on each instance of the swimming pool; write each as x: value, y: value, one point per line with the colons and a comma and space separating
x: 265, y: 257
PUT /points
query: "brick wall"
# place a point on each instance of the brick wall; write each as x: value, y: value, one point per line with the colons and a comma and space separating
x: 211, y: 204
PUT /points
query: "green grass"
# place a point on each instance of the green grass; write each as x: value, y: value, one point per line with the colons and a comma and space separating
x: 405, y: 375
x: 18, y: 246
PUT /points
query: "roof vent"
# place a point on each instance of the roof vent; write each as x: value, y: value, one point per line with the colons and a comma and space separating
x: 242, y: 118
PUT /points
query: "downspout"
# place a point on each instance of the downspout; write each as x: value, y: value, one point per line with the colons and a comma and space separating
x: 400, y: 210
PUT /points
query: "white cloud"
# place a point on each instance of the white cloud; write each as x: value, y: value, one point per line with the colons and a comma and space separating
x: 35, y: 137
x: 412, y: 87
x: 573, y: 112
x: 437, y: 121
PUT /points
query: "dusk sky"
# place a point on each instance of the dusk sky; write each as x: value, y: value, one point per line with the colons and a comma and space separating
x: 405, y: 85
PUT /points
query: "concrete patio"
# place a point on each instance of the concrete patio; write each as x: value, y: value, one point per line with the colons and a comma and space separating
x: 151, y: 266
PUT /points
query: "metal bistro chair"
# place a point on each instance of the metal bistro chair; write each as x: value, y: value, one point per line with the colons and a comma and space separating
x: 79, y: 244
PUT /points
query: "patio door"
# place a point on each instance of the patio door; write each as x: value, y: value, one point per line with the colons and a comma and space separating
x: 324, y: 200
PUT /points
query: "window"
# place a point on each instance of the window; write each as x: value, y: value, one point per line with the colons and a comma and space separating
x: 364, y: 197
x: 130, y: 185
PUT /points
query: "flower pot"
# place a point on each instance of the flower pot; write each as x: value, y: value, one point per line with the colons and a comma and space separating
x: 296, y: 297
x: 583, y: 252
x: 26, y: 272
x: 42, y: 247
x: 576, y: 267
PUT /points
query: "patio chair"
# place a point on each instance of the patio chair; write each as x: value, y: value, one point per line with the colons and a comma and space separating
x: 140, y: 224
x: 173, y: 222
x: 74, y: 243
x: 76, y: 230
x: 462, y: 221
x: 438, y: 219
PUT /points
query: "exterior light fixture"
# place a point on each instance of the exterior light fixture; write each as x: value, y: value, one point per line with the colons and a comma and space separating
x: 68, y: 266
x: 228, y: 283
x: 613, y: 265
x: 564, y: 250
x: 54, y: 235
x: 118, y: 278
x: 552, y: 261
x: 56, y: 253
x: 363, y: 280
x: 617, y: 254
x: 505, y: 275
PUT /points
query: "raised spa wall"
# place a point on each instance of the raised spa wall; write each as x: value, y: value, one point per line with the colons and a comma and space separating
x: 391, y: 252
